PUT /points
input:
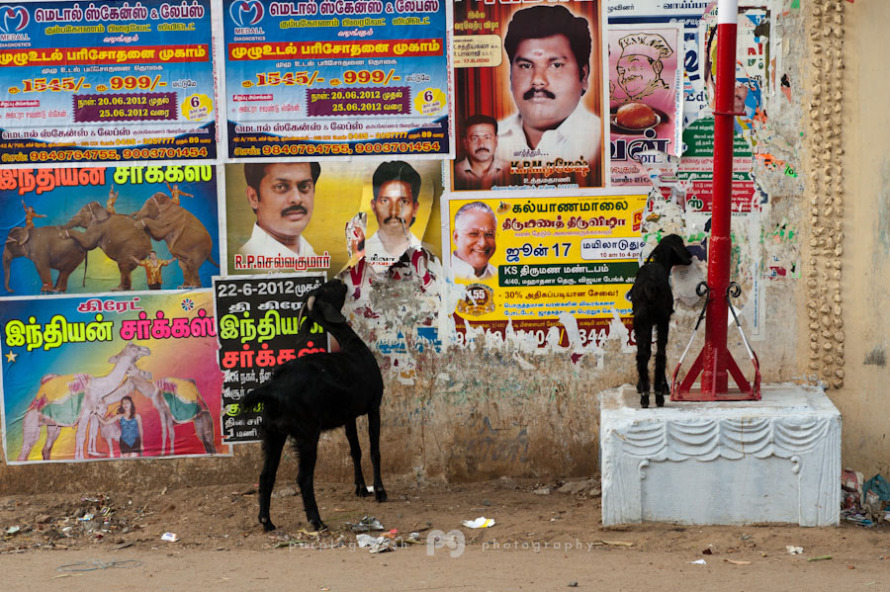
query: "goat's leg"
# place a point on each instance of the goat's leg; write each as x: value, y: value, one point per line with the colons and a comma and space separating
x: 662, y: 387
x: 272, y: 447
x: 644, y: 352
x: 374, y: 434
x: 308, y: 448
x: 355, y: 451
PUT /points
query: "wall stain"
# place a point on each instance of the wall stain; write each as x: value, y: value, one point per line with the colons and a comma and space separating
x: 883, y: 210
x: 876, y: 357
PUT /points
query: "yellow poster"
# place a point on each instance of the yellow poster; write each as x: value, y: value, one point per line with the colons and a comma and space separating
x: 530, y: 262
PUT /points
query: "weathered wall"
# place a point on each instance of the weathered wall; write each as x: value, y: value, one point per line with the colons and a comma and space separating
x: 500, y: 407
x: 854, y: 89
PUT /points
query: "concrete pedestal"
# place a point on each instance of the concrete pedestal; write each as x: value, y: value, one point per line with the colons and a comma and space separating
x: 735, y: 462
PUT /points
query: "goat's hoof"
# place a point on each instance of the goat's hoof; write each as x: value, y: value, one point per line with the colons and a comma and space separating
x: 659, y: 400
x: 267, y: 525
x: 318, y: 525
x: 362, y: 490
x: 380, y: 494
x: 644, y: 401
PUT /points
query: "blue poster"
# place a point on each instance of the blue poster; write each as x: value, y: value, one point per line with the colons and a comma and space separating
x: 315, y: 78
x: 106, y: 82
x: 96, y: 229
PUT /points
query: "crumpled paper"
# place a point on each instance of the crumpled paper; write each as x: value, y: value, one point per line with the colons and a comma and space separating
x: 481, y: 522
x: 366, y: 524
x: 379, y: 544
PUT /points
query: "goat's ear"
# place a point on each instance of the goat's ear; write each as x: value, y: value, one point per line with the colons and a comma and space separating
x: 329, y: 313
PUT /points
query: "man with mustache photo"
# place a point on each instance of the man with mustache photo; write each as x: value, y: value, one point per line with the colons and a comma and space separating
x: 549, y: 52
x: 282, y: 195
x: 396, y: 187
x: 480, y: 169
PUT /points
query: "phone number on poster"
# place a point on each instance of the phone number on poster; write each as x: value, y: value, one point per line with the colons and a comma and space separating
x: 126, y: 154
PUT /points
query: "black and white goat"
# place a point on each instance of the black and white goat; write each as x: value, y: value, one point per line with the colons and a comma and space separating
x: 316, y: 393
x: 653, y: 305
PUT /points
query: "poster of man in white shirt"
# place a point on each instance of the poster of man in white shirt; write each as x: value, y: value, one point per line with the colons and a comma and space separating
x: 286, y: 217
x: 540, y: 74
x: 549, y: 50
x: 282, y: 196
x: 475, y: 241
x: 396, y: 187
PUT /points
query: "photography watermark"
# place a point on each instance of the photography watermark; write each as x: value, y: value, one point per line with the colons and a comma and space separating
x: 540, y: 547
x: 454, y: 543
x: 453, y: 540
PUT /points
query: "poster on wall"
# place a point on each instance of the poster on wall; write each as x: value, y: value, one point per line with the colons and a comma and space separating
x: 259, y: 322
x: 533, y: 264
x: 753, y: 66
x: 110, y: 376
x: 314, y: 78
x: 97, y: 229
x: 695, y: 172
x: 529, y: 88
x: 106, y: 82
x: 325, y: 216
x: 645, y: 99
x: 659, y: 12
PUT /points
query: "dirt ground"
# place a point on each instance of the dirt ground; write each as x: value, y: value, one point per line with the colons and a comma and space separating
x: 547, y: 536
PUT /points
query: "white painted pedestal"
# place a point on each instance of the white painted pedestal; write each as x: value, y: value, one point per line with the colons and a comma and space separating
x: 734, y: 462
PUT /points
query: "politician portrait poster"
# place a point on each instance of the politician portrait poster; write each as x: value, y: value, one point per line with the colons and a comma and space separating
x: 529, y: 96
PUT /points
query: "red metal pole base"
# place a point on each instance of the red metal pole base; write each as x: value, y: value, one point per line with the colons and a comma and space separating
x: 744, y: 391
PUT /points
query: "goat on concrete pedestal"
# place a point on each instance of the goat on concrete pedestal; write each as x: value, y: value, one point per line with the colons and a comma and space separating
x: 653, y: 305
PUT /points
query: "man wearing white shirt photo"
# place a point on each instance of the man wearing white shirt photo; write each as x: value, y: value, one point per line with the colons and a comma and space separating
x: 549, y: 52
x: 282, y: 195
x: 396, y: 187
x: 475, y: 226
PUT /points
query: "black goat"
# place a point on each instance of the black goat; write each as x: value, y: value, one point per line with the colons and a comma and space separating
x: 316, y: 393
x: 653, y: 304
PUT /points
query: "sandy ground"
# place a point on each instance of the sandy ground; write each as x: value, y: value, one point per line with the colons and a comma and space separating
x: 543, y: 539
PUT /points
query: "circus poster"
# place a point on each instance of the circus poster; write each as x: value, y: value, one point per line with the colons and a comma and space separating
x: 90, y: 230
x: 111, y: 376
x: 260, y: 320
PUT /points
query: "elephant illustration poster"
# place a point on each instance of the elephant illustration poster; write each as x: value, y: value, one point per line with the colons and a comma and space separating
x: 325, y: 216
x: 98, y: 229
x: 111, y: 376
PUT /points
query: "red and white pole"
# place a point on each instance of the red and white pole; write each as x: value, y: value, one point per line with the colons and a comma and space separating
x: 715, y: 354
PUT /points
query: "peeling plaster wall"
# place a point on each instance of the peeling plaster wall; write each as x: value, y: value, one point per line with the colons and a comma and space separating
x: 858, y: 31
x: 506, y: 407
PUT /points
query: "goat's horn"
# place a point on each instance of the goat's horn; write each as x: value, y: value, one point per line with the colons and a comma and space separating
x: 310, y: 302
